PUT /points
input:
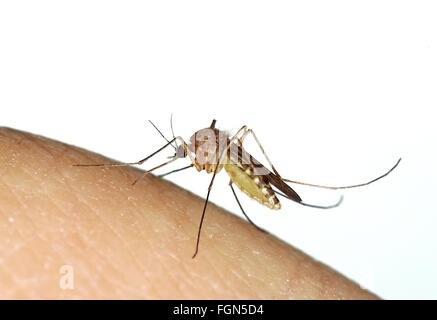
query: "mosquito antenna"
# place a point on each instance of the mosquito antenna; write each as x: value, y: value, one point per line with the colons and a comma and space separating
x: 162, y: 134
x: 171, y: 126
x: 345, y: 187
x: 207, y: 195
x: 312, y: 205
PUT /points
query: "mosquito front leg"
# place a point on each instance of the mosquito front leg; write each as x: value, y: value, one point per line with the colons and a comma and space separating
x: 165, y: 163
x: 221, y: 155
x: 128, y: 163
x: 153, y: 169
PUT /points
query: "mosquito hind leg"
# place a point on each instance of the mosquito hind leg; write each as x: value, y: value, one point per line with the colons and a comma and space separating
x: 247, y: 132
x: 345, y: 187
x: 241, y: 208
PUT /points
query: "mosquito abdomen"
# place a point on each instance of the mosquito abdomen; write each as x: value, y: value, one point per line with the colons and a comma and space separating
x: 254, y: 186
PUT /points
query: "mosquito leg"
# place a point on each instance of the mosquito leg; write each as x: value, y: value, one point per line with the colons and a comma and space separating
x: 246, y: 133
x: 149, y: 171
x: 203, y: 213
x: 128, y: 163
x: 312, y: 205
x: 241, y: 208
x: 125, y: 164
x: 176, y: 170
x: 345, y: 187
x: 242, y: 129
x: 310, y: 184
x: 223, y: 153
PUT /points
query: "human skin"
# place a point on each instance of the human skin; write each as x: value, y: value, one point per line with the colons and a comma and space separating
x: 134, y: 242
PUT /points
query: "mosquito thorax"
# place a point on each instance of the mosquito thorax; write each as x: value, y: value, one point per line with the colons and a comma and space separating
x: 207, y: 145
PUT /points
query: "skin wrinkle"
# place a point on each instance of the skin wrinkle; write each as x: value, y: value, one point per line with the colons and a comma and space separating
x: 157, y: 251
x: 52, y: 201
x: 22, y: 202
x: 20, y: 282
x: 169, y: 273
x: 112, y: 231
x: 242, y: 279
x: 12, y: 251
x: 139, y: 267
x: 212, y: 265
x: 16, y: 248
x: 301, y: 273
x: 152, y: 285
x: 94, y: 271
x: 211, y: 262
x: 12, y: 275
x: 237, y: 262
x: 107, y: 225
x: 117, y: 235
x: 234, y: 270
x: 268, y: 274
x: 5, y: 216
x: 88, y: 272
x: 24, y: 239
x: 222, y: 277
x: 234, y: 262
x: 232, y: 267
x: 253, y: 277
x: 23, y: 205
x: 113, y: 279
x: 108, y: 264
x: 23, y: 245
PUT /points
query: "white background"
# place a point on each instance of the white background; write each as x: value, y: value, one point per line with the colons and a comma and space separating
x: 335, y: 90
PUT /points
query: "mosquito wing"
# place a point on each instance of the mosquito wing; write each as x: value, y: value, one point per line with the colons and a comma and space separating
x: 237, y: 153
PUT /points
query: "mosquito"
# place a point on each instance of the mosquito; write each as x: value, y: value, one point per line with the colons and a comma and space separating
x: 211, y: 149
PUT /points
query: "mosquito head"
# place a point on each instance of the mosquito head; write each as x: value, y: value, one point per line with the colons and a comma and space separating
x: 180, y: 152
